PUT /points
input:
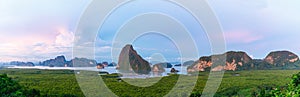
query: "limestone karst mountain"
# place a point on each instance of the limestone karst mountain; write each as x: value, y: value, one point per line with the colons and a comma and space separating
x: 81, y: 62
x: 131, y: 61
x: 233, y: 60
x: 158, y: 68
x: 165, y: 64
x: 17, y: 63
x: 59, y: 61
x: 241, y: 61
x: 281, y: 58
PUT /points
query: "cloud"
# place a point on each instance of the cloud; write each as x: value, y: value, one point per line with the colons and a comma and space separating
x: 28, y: 49
x: 146, y: 49
x: 101, y: 42
x: 103, y: 49
x: 62, y: 45
x: 241, y: 37
x: 64, y: 39
x: 35, y: 30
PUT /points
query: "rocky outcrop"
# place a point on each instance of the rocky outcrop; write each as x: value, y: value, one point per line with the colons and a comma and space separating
x: 239, y: 57
x: 105, y: 64
x: 112, y: 64
x: 165, y: 65
x: 130, y: 61
x: 17, y: 63
x: 177, y: 65
x: 158, y: 68
x: 59, y: 61
x: 173, y: 70
x: 218, y: 68
x: 232, y: 62
x: 281, y: 58
x: 201, y: 64
x: 241, y: 61
x: 81, y: 62
x: 100, y: 66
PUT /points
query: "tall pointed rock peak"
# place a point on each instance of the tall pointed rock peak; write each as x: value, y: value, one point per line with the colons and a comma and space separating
x: 131, y: 62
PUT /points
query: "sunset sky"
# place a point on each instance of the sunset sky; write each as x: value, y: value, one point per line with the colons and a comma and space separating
x: 35, y: 30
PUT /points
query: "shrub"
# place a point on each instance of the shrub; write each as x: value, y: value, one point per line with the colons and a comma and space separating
x: 9, y: 87
x: 291, y: 90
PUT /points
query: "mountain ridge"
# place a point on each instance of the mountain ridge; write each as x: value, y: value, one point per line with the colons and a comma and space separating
x: 234, y: 60
x: 239, y: 60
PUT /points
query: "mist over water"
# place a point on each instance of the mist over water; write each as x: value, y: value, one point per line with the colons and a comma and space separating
x: 110, y: 70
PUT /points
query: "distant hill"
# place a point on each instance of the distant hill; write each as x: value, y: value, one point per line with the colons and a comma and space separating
x: 130, y: 60
x: 81, y: 62
x: 228, y: 61
x: 59, y: 61
x: 18, y: 63
x: 233, y: 60
x: 165, y: 64
x: 281, y: 58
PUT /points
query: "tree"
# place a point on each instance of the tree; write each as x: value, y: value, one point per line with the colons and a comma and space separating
x: 292, y: 89
x: 9, y: 87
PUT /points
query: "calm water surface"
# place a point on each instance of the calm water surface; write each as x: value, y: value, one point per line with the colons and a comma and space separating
x: 182, y: 70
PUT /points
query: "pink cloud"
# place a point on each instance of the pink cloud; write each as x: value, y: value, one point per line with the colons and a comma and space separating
x: 241, y: 36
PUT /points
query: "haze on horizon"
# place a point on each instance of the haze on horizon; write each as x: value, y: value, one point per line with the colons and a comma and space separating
x: 35, y: 30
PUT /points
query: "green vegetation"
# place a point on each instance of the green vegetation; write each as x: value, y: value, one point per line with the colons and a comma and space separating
x: 291, y: 90
x: 239, y: 83
x: 9, y: 87
x: 157, y: 90
x: 57, y: 83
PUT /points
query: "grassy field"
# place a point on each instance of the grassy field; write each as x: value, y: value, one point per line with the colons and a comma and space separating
x: 64, y: 83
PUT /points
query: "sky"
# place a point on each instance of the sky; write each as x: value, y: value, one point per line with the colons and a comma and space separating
x: 36, y: 30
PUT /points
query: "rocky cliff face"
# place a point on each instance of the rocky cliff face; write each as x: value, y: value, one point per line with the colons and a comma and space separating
x: 241, y: 61
x: 81, y: 62
x: 201, y: 64
x: 233, y: 61
x: 165, y: 65
x: 281, y: 58
x: 236, y: 59
x: 158, y: 68
x: 130, y: 61
x: 59, y: 61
